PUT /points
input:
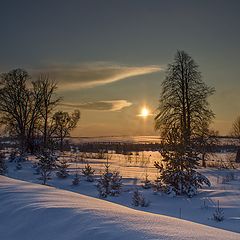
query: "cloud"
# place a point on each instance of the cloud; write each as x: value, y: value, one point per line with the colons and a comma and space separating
x: 114, y: 105
x: 89, y: 75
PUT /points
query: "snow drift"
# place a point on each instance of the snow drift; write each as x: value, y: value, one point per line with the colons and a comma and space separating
x: 31, y: 211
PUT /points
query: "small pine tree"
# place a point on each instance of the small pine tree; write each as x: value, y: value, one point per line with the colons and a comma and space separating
x: 146, y: 182
x: 76, y: 179
x: 62, y: 166
x: 218, y: 215
x: 110, y: 183
x: 47, y: 163
x: 103, y: 185
x: 3, y: 166
x: 88, y: 172
x: 136, y: 198
x: 139, y: 200
x: 116, y: 183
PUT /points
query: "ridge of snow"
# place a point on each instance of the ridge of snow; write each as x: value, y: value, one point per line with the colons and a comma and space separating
x: 31, y: 211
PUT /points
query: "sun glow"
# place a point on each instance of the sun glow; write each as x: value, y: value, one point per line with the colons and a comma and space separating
x: 144, y: 112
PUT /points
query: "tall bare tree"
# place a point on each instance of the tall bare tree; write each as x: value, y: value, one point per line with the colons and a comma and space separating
x: 183, y: 117
x: 47, y: 89
x: 183, y: 102
x: 26, y: 104
x: 18, y: 106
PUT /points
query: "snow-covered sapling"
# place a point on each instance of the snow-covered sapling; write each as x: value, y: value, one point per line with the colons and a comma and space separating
x: 115, y: 184
x: 139, y: 200
x: 3, y: 166
x: 110, y: 183
x: 62, y: 166
x: 47, y: 163
x: 88, y: 172
x: 76, y: 179
x: 218, y: 215
x: 146, y: 182
x: 103, y: 185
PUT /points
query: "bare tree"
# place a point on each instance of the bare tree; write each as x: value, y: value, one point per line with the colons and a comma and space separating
x: 183, y: 117
x: 47, y: 88
x: 183, y: 102
x: 19, y: 106
x: 25, y: 105
x: 64, y: 123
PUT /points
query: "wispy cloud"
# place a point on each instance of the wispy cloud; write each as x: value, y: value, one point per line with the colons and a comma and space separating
x: 89, y: 75
x: 114, y: 105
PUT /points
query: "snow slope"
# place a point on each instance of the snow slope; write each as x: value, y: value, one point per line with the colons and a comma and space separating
x: 198, y: 209
x: 30, y: 211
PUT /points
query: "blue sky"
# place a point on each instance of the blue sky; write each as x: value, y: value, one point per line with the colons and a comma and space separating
x: 109, y: 56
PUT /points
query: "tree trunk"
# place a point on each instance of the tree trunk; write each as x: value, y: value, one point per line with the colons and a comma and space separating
x: 45, y: 130
x: 204, y: 160
x: 61, y: 143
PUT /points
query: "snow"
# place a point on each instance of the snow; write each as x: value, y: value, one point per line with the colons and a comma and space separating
x: 33, y: 211
x: 198, y: 209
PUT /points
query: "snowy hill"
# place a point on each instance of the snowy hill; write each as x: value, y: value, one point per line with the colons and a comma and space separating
x: 31, y: 211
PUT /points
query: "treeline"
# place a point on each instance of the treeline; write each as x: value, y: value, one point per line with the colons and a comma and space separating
x: 126, y: 148
x: 28, y: 111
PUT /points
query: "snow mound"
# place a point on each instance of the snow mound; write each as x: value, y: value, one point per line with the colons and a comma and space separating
x: 31, y: 211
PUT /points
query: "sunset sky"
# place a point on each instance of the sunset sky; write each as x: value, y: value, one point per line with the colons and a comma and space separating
x: 109, y: 57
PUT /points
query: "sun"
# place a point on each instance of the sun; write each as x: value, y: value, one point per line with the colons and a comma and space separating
x: 144, y: 112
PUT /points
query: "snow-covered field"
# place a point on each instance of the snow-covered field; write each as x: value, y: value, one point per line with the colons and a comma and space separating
x: 31, y: 211
x: 198, y: 209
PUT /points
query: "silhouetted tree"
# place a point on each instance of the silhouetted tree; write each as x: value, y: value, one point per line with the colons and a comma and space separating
x: 64, y: 123
x: 183, y: 116
x: 47, y: 87
x: 26, y: 106
x: 19, y: 106
x: 183, y: 103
